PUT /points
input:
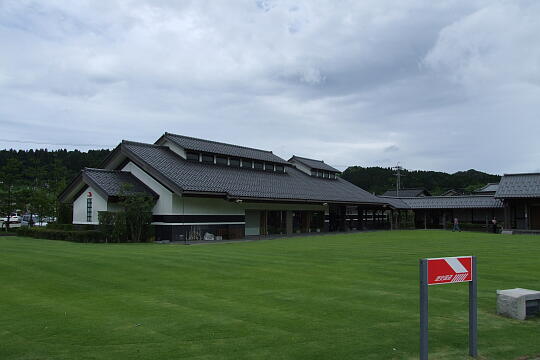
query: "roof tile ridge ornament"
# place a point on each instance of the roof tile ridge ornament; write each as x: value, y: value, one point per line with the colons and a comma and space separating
x: 141, y: 143
x: 218, y: 142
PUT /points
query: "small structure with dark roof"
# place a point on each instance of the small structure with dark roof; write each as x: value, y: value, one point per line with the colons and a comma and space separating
x: 413, y: 192
x: 520, y: 194
x: 489, y: 189
x: 437, y: 211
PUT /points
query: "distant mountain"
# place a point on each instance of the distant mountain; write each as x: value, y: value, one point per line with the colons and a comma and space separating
x: 377, y: 179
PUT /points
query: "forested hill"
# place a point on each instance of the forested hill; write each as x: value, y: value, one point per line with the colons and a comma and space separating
x: 45, y: 168
x: 54, y: 169
x: 377, y: 179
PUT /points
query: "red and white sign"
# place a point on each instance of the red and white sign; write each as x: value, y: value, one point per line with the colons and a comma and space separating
x: 449, y: 270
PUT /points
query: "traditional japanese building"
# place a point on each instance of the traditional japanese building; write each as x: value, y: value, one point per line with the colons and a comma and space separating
x: 203, y: 186
x: 520, y: 194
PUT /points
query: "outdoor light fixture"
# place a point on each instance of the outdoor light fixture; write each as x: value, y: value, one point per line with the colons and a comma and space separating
x: 325, y: 204
x: 239, y: 201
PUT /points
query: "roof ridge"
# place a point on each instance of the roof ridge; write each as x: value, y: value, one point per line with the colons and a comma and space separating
x: 526, y: 173
x: 141, y: 143
x: 303, y: 157
x: 218, y: 142
x: 436, y: 197
x: 106, y: 170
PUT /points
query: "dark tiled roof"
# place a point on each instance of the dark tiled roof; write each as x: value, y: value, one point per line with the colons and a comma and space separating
x: 445, y: 202
x: 293, y: 185
x: 519, y: 186
x: 407, y: 192
x: 491, y: 187
x: 214, y: 147
x: 111, y: 182
x: 395, y: 202
x: 314, y: 164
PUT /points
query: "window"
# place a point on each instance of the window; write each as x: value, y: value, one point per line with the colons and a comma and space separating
x: 280, y: 168
x: 191, y: 156
x: 220, y: 160
x: 332, y: 175
x: 89, y: 209
x: 325, y: 175
x: 234, y: 162
x: 209, y: 159
x: 269, y: 167
x: 247, y: 163
x: 258, y: 165
x: 319, y: 173
x: 313, y: 172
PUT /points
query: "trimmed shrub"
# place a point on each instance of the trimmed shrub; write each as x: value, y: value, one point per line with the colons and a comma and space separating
x: 84, y: 236
x: 71, y: 227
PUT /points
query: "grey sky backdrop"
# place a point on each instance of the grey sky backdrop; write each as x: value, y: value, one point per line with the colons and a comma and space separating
x: 441, y: 85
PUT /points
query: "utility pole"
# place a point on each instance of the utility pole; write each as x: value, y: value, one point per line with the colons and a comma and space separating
x: 398, y: 175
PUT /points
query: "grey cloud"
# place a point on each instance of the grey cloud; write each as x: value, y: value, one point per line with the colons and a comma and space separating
x: 443, y: 85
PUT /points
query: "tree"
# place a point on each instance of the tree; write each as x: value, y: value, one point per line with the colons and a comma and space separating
x: 133, y: 221
x: 138, y: 211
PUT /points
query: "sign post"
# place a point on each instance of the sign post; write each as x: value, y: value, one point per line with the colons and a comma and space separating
x: 447, y: 271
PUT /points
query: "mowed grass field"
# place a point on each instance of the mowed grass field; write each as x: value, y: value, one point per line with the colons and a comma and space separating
x: 349, y: 296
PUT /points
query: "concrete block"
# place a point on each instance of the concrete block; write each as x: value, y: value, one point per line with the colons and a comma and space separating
x: 518, y: 303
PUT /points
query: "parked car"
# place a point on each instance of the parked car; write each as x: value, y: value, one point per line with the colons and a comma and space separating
x: 14, y: 221
x: 32, y: 220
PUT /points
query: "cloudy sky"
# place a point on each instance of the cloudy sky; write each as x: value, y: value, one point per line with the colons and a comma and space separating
x: 440, y: 85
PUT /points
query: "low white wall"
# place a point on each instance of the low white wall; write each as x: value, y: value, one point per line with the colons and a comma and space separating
x: 79, y: 207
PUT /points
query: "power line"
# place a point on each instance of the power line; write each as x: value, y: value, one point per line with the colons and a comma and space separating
x: 47, y: 143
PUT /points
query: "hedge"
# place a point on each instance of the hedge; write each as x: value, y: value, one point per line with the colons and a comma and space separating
x: 70, y: 227
x: 84, y: 236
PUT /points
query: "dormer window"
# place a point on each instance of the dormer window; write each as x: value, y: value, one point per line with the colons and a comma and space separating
x: 269, y: 167
x: 235, y: 162
x: 258, y: 165
x: 280, y: 168
x: 221, y: 160
x: 192, y: 156
x: 208, y: 159
x: 247, y: 163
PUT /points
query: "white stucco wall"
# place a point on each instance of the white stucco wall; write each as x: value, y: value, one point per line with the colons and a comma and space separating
x: 175, y: 148
x: 79, y: 207
x: 164, y: 205
x: 205, y: 206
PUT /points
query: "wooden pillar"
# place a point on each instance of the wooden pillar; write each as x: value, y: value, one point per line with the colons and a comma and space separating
x: 526, y: 214
x: 507, y: 215
x: 444, y: 220
x: 360, y: 223
x: 425, y: 219
x: 289, y: 222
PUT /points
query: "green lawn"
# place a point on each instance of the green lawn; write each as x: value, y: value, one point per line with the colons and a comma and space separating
x: 323, y: 297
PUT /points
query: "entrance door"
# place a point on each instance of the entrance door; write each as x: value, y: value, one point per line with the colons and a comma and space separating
x: 535, y: 217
